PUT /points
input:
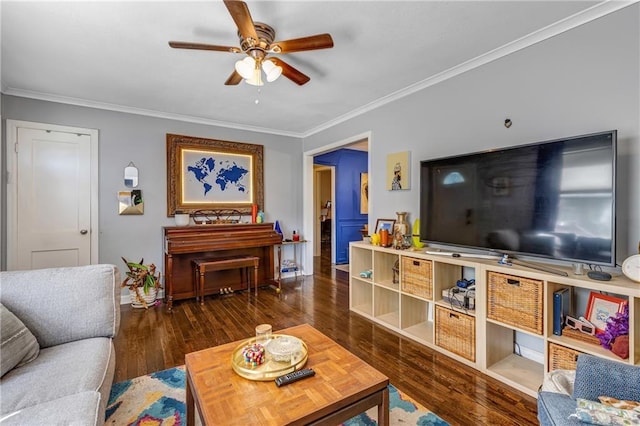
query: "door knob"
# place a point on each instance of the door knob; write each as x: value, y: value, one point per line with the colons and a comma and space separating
x: 83, y: 231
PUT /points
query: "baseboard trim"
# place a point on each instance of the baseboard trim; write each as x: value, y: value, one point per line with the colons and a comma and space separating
x: 532, y: 355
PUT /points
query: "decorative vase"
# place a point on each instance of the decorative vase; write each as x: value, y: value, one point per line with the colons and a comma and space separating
x: 416, y: 234
x: 401, y: 226
x: 148, y: 298
x: 384, y: 238
x: 400, y: 230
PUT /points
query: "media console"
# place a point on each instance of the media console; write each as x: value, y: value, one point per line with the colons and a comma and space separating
x: 508, y: 300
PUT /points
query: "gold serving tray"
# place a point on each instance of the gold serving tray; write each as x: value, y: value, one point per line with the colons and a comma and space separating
x: 270, y: 369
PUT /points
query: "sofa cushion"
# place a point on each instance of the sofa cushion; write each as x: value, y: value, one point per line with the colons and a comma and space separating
x: 68, y: 369
x: 555, y: 409
x: 81, y: 409
x: 18, y: 345
x: 597, y: 377
x: 60, y: 305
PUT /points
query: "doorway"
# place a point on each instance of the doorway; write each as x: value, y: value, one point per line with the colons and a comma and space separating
x: 53, y: 190
x: 310, y: 194
x: 323, y: 200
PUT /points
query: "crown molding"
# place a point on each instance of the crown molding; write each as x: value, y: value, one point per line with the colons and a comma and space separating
x: 145, y: 112
x: 583, y: 17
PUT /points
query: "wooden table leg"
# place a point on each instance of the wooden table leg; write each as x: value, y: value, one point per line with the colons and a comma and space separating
x: 190, y: 406
x: 383, y: 408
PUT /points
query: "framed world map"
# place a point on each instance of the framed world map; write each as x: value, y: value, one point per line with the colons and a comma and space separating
x: 213, y: 174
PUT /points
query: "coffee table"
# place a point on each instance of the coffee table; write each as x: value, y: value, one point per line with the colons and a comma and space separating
x: 344, y: 386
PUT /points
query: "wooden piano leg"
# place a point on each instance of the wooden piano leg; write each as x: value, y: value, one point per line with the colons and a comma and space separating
x: 255, y: 275
x: 168, y: 280
x: 279, y: 268
x: 201, y: 286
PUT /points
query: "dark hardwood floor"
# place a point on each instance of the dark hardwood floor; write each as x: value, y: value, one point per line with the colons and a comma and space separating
x: 156, y: 339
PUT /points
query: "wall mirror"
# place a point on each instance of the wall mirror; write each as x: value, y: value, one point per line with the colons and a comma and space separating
x: 131, y: 176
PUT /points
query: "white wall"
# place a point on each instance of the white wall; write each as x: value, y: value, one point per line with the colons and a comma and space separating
x: 128, y: 137
x: 585, y: 80
x: 582, y: 81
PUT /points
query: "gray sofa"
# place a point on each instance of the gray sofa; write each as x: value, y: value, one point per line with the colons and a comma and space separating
x: 74, y: 313
x: 594, y: 377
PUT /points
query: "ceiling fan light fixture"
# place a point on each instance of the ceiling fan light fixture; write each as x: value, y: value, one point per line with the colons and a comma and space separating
x: 256, y: 78
x: 271, y: 70
x: 246, y: 67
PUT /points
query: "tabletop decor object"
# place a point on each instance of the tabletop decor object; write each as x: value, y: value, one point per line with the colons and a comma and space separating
x: 285, y: 361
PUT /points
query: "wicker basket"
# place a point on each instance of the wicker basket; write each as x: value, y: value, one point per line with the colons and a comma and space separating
x: 515, y: 300
x: 578, y: 335
x: 416, y: 277
x: 456, y: 332
x: 561, y: 357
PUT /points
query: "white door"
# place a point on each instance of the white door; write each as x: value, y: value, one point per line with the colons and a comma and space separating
x: 51, y: 203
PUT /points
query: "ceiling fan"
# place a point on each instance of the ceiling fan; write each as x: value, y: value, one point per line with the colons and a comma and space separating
x: 257, y: 42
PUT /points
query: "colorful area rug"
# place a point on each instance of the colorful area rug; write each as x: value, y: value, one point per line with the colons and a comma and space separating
x: 158, y: 399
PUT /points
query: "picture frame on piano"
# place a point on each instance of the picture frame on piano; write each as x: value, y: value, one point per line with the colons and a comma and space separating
x: 207, y: 174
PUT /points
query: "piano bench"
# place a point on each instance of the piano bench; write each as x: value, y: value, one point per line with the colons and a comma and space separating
x: 202, y: 266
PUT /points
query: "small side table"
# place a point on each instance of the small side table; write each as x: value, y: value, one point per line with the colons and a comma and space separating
x: 296, y: 245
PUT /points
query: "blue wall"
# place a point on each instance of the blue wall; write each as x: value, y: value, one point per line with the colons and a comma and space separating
x: 348, y: 220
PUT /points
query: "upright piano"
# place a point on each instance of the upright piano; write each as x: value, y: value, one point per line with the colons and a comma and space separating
x: 182, y: 244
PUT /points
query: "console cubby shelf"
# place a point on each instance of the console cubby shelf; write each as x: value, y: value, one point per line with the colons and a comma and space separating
x: 401, y: 301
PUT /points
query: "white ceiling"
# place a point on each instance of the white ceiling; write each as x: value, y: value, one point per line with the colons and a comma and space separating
x: 115, y: 55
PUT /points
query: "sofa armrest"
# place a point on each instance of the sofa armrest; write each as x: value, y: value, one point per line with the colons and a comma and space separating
x: 604, y: 377
x: 61, y: 305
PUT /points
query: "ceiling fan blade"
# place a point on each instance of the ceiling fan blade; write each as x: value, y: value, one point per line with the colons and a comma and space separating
x: 240, y: 13
x: 290, y: 72
x: 202, y: 46
x: 233, y: 79
x: 320, y: 41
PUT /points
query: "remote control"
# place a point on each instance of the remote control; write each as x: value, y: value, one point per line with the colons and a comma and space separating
x: 294, y: 377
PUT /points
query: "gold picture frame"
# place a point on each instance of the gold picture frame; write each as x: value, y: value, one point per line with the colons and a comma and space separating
x: 207, y: 174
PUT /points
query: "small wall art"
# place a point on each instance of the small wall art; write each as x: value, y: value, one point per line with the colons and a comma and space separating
x: 364, y: 193
x: 130, y: 202
x: 398, y: 173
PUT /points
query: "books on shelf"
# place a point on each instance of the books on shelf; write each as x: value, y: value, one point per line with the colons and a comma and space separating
x: 561, y: 308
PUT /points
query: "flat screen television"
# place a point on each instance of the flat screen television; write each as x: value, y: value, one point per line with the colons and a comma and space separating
x: 553, y: 199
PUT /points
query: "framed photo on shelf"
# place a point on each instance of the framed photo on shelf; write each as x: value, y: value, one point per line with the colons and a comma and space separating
x: 600, y: 307
x: 385, y: 224
x: 209, y: 174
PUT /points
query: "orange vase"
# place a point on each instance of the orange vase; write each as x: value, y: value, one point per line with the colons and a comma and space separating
x: 384, y: 238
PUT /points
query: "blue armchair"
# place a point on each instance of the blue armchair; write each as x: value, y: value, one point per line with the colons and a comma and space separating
x: 594, y: 377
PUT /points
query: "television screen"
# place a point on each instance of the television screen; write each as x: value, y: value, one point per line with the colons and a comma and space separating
x: 552, y: 199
